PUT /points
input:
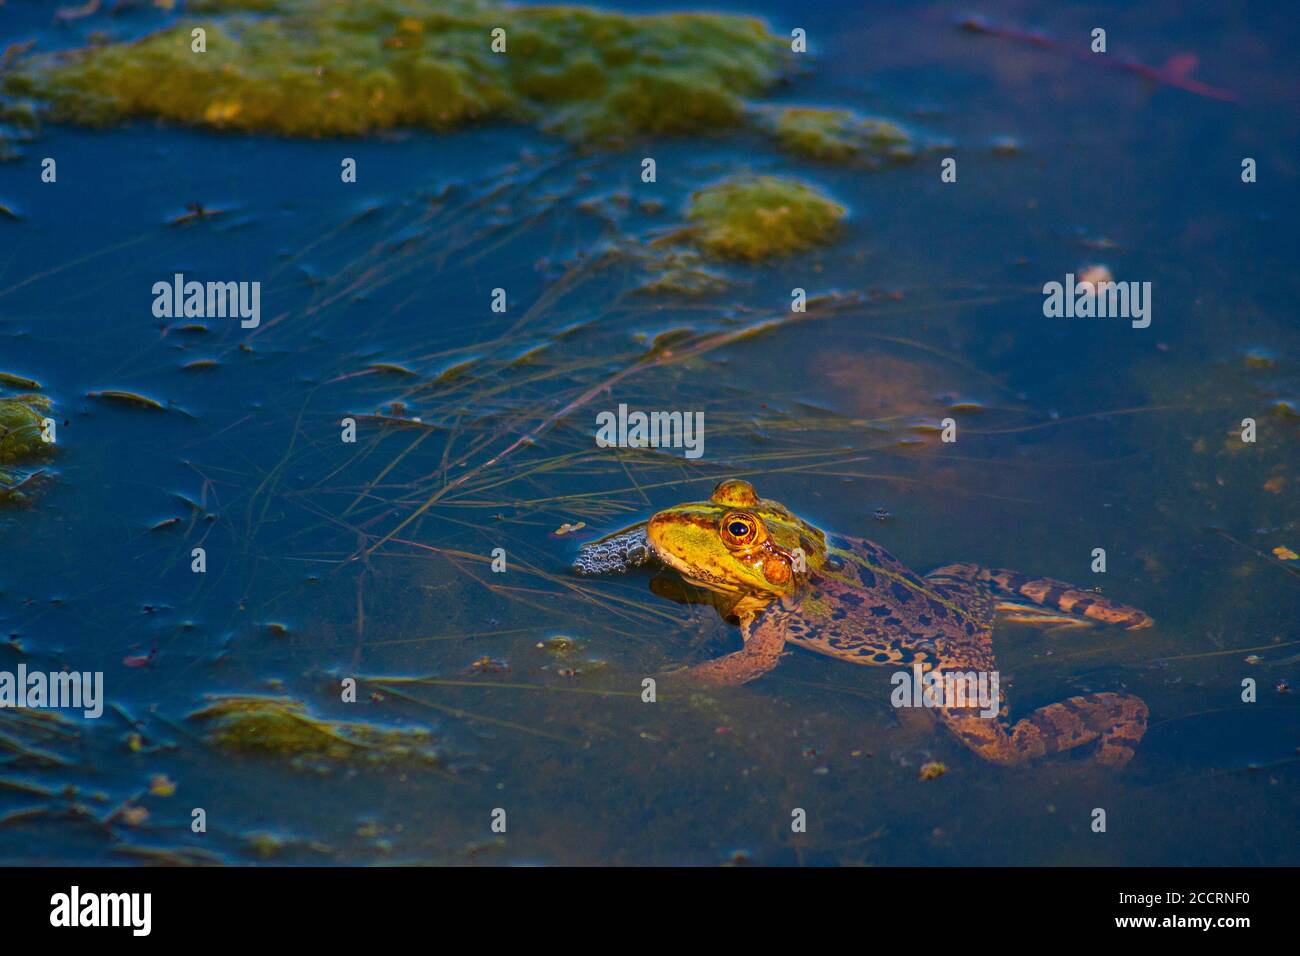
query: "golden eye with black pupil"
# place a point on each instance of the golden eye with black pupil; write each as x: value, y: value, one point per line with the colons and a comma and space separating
x: 739, y: 529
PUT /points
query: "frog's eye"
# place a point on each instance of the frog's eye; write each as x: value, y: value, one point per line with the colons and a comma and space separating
x: 739, y: 528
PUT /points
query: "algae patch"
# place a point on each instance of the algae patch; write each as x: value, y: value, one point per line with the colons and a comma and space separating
x: 21, y: 418
x: 758, y: 217
x: 837, y: 135
x: 321, y: 67
x: 280, y: 727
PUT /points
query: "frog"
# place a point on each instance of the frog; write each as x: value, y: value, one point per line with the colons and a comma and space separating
x: 786, y: 582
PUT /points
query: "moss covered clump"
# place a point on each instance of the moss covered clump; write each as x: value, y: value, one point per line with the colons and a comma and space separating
x: 20, y: 438
x: 278, y: 727
x: 336, y: 67
x: 757, y: 217
x: 837, y: 136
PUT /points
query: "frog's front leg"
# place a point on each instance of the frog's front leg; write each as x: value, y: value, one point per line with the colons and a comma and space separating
x: 764, y: 635
x: 1116, y: 722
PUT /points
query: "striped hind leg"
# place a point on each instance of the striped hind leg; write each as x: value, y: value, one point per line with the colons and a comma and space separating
x: 1044, y: 592
x: 1116, y: 722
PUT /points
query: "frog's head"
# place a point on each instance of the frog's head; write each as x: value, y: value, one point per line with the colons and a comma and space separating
x: 737, y: 543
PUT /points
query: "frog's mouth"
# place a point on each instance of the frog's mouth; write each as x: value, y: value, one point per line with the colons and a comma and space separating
x: 693, y: 575
x: 690, y: 573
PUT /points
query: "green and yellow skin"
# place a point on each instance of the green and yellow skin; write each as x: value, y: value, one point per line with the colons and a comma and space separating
x: 848, y: 598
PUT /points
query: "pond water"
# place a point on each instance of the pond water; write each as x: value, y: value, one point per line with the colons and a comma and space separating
x: 372, y: 560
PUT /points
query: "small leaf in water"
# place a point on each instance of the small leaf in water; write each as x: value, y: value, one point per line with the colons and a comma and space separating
x: 389, y: 367
x: 128, y: 398
x: 18, y: 381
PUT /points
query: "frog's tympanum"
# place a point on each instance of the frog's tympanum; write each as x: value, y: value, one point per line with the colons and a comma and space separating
x: 786, y: 582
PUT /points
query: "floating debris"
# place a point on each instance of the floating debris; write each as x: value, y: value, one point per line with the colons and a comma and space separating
x: 195, y: 211
x: 567, y: 528
x: 1089, y: 276
x: 489, y: 665
x: 933, y: 770
x: 559, y: 644
x: 1176, y: 72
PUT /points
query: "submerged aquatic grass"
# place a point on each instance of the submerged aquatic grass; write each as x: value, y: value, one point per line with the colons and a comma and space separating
x: 322, y: 67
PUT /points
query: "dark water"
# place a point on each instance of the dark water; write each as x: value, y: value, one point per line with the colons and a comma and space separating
x: 370, y: 560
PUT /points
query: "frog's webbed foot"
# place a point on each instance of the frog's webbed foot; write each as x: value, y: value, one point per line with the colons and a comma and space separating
x: 1116, y: 722
x: 962, y: 579
x: 764, y: 641
x: 1020, y: 612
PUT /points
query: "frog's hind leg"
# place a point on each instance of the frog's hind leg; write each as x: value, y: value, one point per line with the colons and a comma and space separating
x: 1043, y: 592
x: 1116, y: 722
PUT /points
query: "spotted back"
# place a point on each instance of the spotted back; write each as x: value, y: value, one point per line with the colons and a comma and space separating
x: 866, y: 606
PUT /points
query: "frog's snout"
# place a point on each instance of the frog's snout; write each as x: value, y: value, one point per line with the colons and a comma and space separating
x: 667, y: 539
